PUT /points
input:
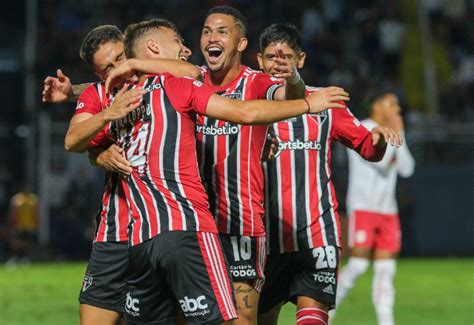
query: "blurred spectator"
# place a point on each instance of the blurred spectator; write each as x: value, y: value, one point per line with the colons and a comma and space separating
x: 23, y: 222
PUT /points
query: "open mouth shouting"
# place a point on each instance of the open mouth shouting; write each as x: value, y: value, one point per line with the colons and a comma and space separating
x: 214, y: 53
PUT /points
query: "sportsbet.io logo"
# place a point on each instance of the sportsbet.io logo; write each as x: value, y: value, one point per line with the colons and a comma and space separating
x: 299, y: 145
x: 227, y: 129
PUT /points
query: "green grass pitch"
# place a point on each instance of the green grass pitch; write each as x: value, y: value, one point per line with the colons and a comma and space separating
x: 429, y: 291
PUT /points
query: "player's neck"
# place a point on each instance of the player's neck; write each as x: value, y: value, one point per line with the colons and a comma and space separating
x: 226, y: 75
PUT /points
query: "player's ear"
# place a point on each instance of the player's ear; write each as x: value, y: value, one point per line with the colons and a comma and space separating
x: 260, y: 60
x: 301, y: 60
x: 243, y: 42
x: 152, y: 46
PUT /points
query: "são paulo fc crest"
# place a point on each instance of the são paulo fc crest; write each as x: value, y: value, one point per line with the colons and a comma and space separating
x: 87, y: 282
x: 320, y: 117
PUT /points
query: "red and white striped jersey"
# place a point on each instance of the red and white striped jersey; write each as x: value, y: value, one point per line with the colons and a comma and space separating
x: 301, y: 204
x: 113, y: 217
x: 230, y: 158
x: 164, y: 191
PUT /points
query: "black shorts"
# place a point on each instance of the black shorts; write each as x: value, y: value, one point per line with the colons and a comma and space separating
x: 104, y: 284
x: 183, y: 269
x: 311, y: 273
x: 246, y: 257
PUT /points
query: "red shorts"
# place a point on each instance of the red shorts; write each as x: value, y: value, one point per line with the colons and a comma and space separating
x: 375, y: 230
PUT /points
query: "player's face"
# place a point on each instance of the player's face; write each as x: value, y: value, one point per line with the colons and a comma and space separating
x: 266, y: 60
x: 109, y: 56
x: 171, y: 45
x: 222, y: 42
x: 390, y: 105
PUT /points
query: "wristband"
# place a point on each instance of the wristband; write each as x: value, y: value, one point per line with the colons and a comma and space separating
x: 309, y: 106
x: 295, y: 79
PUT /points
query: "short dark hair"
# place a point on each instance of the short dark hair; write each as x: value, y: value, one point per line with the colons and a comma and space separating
x: 135, y: 31
x: 281, y: 33
x: 240, y: 19
x: 96, y: 38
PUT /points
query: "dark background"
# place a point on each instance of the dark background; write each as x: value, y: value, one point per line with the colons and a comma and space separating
x: 425, y: 54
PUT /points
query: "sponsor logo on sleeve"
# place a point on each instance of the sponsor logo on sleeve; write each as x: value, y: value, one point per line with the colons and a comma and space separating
x: 80, y: 105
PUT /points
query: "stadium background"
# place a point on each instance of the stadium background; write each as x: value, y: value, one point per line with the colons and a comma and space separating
x: 423, y: 50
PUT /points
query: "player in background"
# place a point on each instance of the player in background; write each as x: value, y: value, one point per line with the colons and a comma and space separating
x: 103, y: 293
x: 302, y: 223
x: 374, y: 226
x: 175, y: 255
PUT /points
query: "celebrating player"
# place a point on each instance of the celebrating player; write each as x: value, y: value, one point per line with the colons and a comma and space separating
x: 102, y: 298
x: 374, y: 226
x: 302, y: 222
x: 176, y: 257
x: 229, y: 154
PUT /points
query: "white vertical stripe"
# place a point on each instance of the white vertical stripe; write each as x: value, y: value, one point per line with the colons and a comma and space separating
x: 280, y: 198
x: 307, y: 190
x: 217, y: 268
x: 222, y: 268
x: 293, y: 189
x: 318, y: 173
x: 267, y: 207
x: 162, y: 144
x: 99, y: 92
x: 328, y: 173
x: 248, y: 180
x: 140, y: 236
x: 117, y: 212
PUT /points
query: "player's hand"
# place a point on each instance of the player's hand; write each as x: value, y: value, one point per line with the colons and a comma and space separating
x: 119, y: 75
x: 113, y: 160
x: 57, y: 89
x: 270, y: 149
x: 395, y: 121
x: 125, y: 101
x: 382, y: 135
x: 284, y: 69
x: 329, y: 97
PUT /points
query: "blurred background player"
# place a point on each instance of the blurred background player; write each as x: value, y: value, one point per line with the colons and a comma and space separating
x: 23, y: 226
x: 374, y: 226
x: 302, y: 223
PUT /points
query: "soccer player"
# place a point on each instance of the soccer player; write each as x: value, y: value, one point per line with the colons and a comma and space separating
x: 374, y: 226
x: 302, y: 222
x: 102, y: 298
x: 175, y: 255
x: 229, y: 154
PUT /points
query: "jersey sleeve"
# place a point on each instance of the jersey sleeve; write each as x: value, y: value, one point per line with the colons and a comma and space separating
x: 264, y: 86
x: 101, y: 140
x: 89, y: 101
x: 187, y: 95
x: 348, y: 130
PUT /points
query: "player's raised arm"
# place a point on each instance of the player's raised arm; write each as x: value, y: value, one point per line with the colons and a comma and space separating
x: 85, y: 126
x: 131, y: 67
x: 59, y: 89
x: 294, y: 86
x: 263, y: 111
